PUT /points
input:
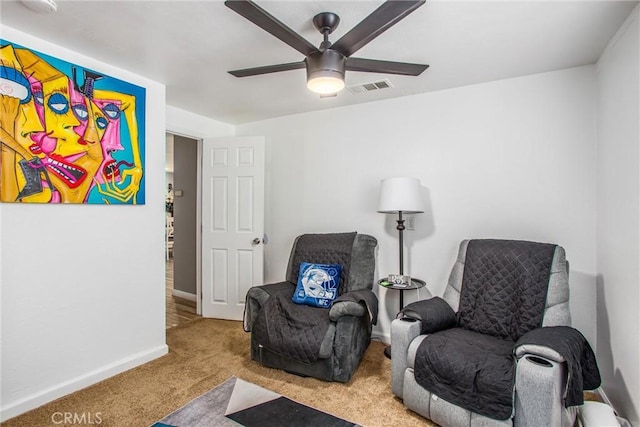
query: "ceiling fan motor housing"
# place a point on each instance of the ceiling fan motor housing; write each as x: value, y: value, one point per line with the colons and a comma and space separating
x: 328, y: 63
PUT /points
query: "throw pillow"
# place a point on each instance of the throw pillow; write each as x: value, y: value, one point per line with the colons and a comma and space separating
x: 317, y: 284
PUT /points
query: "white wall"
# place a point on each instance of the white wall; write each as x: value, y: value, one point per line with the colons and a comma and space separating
x: 618, y: 225
x: 83, y: 286
x: 181, y: 122
x: 507, y: 159
x: 513, y: 158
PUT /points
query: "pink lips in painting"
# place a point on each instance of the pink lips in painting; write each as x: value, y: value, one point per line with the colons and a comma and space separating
x: 42, y: 139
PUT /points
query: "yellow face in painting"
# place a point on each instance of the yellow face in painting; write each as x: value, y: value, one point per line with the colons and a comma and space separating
x: 72, y: 151
x: 93, y: 122
x: 57, y: 113
x: 59, y: 118
x: 27, y: 123
x: 17, y: 99
x: 19, y: 120
x: 76, y: 125
x: 25, y: 127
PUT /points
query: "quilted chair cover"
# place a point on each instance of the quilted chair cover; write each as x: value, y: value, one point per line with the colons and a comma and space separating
x: 289, y: 337
x: 493, y: 302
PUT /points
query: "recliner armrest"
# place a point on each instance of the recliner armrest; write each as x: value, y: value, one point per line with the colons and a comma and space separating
x: 434, y: 314
x: 346, y: 308
x: 355, y: 303
x: 571, y: 347
x: 403, y: 332
x: 540, y: 388
x: 257, y: 296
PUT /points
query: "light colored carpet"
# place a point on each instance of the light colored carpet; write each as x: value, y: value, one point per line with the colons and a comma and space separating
x: 206, y: 352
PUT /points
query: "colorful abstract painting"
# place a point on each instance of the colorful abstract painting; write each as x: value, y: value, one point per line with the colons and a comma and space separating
x: 68, y: 134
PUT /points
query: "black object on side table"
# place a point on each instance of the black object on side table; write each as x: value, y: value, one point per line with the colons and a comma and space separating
x: 415, y: 284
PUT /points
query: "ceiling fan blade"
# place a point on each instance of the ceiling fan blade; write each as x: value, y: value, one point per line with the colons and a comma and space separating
x: 387, y: 67
x: 267, y: 22
x: 380, y: 20
x: 267, y: 69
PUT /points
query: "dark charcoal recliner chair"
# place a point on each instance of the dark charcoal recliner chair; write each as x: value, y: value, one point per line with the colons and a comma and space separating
x: 325, y: 343
x: 497, y: 348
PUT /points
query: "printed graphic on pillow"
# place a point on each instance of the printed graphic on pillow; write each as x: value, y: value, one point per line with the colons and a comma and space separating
x: 317, y: 284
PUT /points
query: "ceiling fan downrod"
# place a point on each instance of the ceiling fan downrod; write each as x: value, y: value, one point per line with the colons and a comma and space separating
x: 326, y: 22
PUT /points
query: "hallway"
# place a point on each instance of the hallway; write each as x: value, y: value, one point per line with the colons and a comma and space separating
x: 179, y: 310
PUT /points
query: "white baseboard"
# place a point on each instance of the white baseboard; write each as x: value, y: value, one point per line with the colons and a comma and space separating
x: 47, y: 395
x: 385, y: 338
x: 184, y: 295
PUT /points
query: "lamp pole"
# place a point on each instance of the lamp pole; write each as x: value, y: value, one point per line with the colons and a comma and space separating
x: 400, y: 227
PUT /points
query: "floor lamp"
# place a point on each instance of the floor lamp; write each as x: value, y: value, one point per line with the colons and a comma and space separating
x: 401, y: 195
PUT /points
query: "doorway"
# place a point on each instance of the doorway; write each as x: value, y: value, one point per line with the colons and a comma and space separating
x: 234, y: 166
x: 181, y: 231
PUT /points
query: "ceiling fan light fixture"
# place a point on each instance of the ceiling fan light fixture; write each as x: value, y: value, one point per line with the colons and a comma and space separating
x: 325, y: 82
x: 325, y: 72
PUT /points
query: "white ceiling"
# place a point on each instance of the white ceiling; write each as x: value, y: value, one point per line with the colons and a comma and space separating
x: 190, y: 45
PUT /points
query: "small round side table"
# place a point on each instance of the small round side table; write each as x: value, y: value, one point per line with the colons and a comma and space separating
x: 415, y: 284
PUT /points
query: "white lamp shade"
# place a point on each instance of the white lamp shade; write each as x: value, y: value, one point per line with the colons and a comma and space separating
x: 401, y: 194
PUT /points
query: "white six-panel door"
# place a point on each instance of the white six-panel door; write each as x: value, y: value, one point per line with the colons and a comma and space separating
x: 232, y: 223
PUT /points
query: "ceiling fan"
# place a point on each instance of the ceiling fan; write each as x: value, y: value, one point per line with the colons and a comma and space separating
x: 326, y: 64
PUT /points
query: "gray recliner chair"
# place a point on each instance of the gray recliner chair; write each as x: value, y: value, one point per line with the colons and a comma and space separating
x: 497, y: 348
x: 324, y: 343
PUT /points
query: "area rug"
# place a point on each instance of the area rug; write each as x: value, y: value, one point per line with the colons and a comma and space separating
x: 238, y: 402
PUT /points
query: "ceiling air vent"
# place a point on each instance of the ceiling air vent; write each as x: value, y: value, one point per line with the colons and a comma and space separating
x: 369, y: 87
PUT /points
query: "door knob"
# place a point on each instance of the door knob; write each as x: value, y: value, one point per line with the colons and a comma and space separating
x: 256, y: 241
